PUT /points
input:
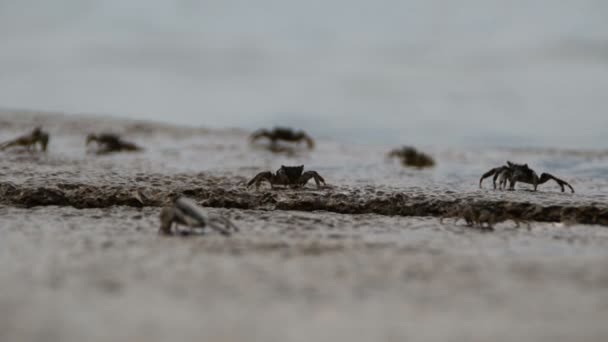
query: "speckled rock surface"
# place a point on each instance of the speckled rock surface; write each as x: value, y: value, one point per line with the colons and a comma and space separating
x: 366, y: 259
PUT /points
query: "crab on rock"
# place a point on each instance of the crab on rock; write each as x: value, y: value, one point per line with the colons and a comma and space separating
x: 186, y: 212
x: 520, y: 173
x: 109, y: 142
x: 285, y: 134
x: 29, y: 141
x: 287, y: 176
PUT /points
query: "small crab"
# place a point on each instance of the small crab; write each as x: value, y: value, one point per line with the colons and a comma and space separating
x: 109, y: 142
x: 479, y: 217
x: 285, y: 134
x: 412, y: 157
x: 29, y: 141
x: 520, y: 173
x: 186, y: 212
x: 287, y: 175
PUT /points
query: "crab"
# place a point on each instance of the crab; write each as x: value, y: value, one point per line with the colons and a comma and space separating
x: 186, y: 212
x: 479, y: 217
x: 412, y: 157
x: 287, y: 176
x: 29, y: 141
x: 283, y: 133
x: 514, y: 173
x: 109, y: 142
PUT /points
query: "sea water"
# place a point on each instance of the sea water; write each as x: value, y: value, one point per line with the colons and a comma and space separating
x: 470, y: 72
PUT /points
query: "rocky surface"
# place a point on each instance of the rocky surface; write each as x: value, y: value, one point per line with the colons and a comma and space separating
x: 372, y: 257
x: 104, y: 274
x: 213, y: 191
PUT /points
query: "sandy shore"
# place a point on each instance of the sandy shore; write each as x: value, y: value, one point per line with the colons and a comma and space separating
x: 74, y: 267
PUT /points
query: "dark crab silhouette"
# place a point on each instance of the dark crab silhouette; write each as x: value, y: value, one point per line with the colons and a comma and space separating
x: 29, y: 141
x: 412, y: 157
x: 287, y: 176
x: 110, y: 142
x: 284, y: 134
x: 520, y: 173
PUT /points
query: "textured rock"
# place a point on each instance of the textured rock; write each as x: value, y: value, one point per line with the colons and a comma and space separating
x: 231, y: 193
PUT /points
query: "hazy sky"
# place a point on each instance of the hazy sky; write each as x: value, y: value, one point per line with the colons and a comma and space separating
x: 474, y: 71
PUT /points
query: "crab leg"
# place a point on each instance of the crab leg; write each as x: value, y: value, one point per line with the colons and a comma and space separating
x: 167, y: 219
x: 220, y: 229
x: 22, y: 141
x: 262, y: 176
x: 228, y: 225
x: 503, y: 177
x: 306, y: 176
x: 6, y: 145
x: 547, y: 176
x: 262, y: 133
x: 309, y: 142
x: 495, y: 171
x: 129, y: 146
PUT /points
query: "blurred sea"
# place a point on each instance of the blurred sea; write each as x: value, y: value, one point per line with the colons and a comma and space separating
x: 470, y: 72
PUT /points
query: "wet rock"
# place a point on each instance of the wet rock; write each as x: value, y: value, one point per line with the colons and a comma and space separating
x: 213, y: 166
x: 225, y: 193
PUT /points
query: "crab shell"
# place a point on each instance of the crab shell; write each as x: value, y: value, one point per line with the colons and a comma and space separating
x: 293, y: 173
